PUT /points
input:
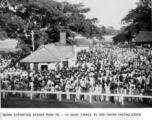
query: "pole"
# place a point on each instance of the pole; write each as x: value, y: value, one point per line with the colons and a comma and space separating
x: 31, y: 95
x: 40, y: 96
x: 3, y: 95
x: 33, y: 40
x: 90, y: 98
x: 122, y: 100
x: 60, y: 96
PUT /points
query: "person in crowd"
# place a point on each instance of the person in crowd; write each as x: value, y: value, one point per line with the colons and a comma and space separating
x: 105, y: 69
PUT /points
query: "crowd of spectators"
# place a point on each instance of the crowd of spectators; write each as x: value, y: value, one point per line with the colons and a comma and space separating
x: 100, y: 69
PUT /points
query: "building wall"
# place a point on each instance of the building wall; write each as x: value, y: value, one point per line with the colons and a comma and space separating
x: 54, y: 66
x: 72, y: 62
x: 31, y: 66
x: 51, y: 66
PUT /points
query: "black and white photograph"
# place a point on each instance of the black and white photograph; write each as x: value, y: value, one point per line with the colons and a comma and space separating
x: 76, y: 53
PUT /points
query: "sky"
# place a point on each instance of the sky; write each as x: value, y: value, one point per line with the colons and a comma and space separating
x: 108, y: 12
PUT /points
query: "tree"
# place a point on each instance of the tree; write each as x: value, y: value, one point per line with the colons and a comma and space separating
x: 144, y: 3
x: 122, y: 29
x: 103, y: 29
x: 122, y: 38
x: 111, y: 31
x: 138, y: 19
x: 3, y: 34
x: 46, y: 18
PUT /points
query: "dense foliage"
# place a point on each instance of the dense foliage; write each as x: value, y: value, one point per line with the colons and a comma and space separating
x: 122, y: 38
x: 138, y: 19
x: 18, y: 18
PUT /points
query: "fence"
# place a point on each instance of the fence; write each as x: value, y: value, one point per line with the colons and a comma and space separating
x: 73, y: 93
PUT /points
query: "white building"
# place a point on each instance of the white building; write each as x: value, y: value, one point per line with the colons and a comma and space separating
x: 56, y: 55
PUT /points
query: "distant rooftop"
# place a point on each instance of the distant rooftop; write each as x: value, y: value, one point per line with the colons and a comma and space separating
x: 144, y: 36
x: 50, y: 53
x: 80, y: 41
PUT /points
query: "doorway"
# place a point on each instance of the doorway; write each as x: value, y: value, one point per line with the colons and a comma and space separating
x: 65, y: 64
x: 44, y: 67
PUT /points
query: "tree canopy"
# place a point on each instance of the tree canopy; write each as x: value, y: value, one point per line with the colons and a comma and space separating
x: 122, y: 38
x: 46, y: 18
x: 111, y: 31
x: 138, y: 19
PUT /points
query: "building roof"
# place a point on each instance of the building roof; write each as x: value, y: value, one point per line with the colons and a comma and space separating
x: 59, y: 44
x: 60, y: 51
x: 120, y: 37
x: 103, y: 41
x: 80, y: 42
x: 49, y: 53
x: 144, y: 36
x: 41, y: 56
x: 70, y: 54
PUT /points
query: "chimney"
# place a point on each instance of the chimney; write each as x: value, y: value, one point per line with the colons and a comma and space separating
x: 63, y: 36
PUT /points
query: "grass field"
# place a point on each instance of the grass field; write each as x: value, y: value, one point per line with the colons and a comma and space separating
x: 52, y: 103
x: 8, y: 45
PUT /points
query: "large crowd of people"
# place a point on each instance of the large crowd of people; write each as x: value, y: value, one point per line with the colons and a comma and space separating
x: 108, y: 69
